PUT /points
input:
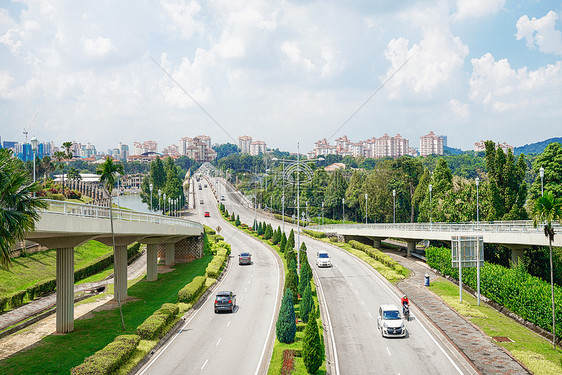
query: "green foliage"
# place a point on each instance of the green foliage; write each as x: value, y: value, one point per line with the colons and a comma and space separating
x: 312, y: 350
x: 314, y: 233
x: 275, y: 237
x: 306, y: 303
x: 268, y: 232
x: 232, y: 217
x: 292, y: 283
x: 108, y: 360
x: 283, y: 243
x: 290, y: 241
x: 305, y: 275
x: 237, y: 222
x: 523, y: 294
x: 551, y: 160
x: 153, y: 327
x: 188, y: 293
x: 286, y: 326
x: 379, y: 256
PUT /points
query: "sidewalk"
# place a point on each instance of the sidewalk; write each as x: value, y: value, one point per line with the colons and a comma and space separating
x: 486, y: 356
x: 35, y: 307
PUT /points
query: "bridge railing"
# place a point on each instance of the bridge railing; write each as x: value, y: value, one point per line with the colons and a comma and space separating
x: 101, y: 212
x: 520, y: 226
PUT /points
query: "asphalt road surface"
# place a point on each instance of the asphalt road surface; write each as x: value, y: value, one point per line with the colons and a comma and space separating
x: 225, y: 343
x: 353, y: 293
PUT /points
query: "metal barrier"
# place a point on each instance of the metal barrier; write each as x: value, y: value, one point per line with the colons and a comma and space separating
x: 521, y: 226
x: 101, y: 212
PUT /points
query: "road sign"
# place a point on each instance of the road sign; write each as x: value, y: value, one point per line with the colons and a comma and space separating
x: 468, y: 251
x: 219, y: 228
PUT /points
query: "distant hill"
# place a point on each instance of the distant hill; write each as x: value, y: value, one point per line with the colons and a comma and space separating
x: 452, y: 151
x: 536, y: 148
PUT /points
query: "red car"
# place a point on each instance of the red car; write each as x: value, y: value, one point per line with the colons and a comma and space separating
x: 207, y: 214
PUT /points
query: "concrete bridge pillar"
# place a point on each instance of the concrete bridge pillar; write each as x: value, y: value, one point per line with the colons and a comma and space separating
x: 120, y: 271
x: 170, y: 254
x: 517, y: 253
x: 411, y: 247
x: 65, y: 290
x: 152, y: 262
x: 377, y: 243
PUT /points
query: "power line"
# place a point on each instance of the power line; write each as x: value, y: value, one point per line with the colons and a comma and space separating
x: 371, y: 97
x: 191, y: 97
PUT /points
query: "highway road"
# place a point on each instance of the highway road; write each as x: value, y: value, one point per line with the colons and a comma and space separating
x: 237, y: 343
x: 353, y: 293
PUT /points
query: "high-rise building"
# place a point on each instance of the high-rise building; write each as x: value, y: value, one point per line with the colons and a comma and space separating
x: 142, y: 148
x: 257, y: 147
x: 198, y: 148
x: 244, y: 144
x: 481, y: 146
x: 431, y: 144
x: 385, y: 146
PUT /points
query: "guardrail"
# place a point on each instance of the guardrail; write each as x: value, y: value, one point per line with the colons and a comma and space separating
x: 101, y: 212
x: 521, y: 226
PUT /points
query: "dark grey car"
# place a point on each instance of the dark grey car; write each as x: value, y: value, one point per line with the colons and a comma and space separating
x: 225, y: 301
x: 245, y: 258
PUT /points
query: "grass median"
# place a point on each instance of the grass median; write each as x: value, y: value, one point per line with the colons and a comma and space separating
x: 57, y: 354
x: 534, y: 351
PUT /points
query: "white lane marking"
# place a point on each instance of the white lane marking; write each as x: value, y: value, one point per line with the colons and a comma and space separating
x: 388, y: 351
x: 218, y: 342
x: 370, y: 316
x: 245, y: 290
x: 228, y: 324
x: 181, y: 330
x: 249, y: 281
x: 363, y: 302
x: 337, y: 365
x: 241, y: 298
x: 355, y: 290
x: 204, y: 364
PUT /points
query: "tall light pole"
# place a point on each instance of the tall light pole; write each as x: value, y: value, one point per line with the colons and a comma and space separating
x: 366, y: 196
x: 322, y: 213
x: 343, y: 210
x: 159, y: 195
x: 151, y: 187
x: 541, y: 172
x: 394, y: 204
x: 34, y: 148
x: 477, y: 203
x: 169, y: 203
x: 430, y: 205
x: 307, y: 209
x: 164, y: 204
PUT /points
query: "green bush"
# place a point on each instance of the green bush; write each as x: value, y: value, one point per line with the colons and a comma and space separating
x: 191, y: 290
x: 306, y: 304
x: 292, y: 283
x: 312, y: 351
x: 153, y: 326
x: 110, y: 358
x: 286, y: 326
x: 379, y: 256
x: 314, y: 234
x: 3, y: 303
x: 525, y: 295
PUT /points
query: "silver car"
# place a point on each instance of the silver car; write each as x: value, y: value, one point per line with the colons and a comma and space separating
x: 245, y: 258
x: 323, y: 259
x: 390, y: 321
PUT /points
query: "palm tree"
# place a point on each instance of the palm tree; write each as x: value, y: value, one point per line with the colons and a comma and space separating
x: 18, y: 206
x: 107, y: 172
x: 59, y: 157
x: 74, y: 174
x: 546, y: 210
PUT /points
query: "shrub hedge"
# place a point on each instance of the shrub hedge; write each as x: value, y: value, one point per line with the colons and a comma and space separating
x: 108, y: 360
x: 191, y: 290
x: 379, y: 256
x: 314, y: 234
x: 525, y: 295
x: 153, y: 326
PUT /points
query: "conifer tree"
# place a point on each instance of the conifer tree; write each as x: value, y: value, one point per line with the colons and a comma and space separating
x: 286, y: 326
x: 306, y: 304
x: 283, y: 243
x: 312, y: 351
x: 275, y: 237
x: 291, y: 241
x: 292, y: 283
x: 304, y: 277
x: 232, y: 217
x: 237, y: 222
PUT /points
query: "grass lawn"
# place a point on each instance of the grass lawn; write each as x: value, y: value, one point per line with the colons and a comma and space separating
x: 535, y: 352
x: 30, y: 270
x: 57, y: 354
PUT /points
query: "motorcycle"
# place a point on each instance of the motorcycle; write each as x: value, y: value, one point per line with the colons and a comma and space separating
x: 406, y: 310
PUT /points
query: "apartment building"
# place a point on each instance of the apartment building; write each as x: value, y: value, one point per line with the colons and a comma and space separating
x: 431, y: 144
x: 385, y: 146
x: 244, y: 144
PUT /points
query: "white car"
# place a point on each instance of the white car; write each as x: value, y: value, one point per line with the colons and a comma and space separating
x: 390, y: 321
x: 323, y: 259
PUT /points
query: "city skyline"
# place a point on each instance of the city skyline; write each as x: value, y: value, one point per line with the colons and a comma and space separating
x: 281, y: 71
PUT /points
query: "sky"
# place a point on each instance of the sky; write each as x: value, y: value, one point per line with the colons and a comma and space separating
x: 284, y: 72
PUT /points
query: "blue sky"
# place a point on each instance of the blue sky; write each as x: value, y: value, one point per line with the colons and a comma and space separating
x: 281, y: 71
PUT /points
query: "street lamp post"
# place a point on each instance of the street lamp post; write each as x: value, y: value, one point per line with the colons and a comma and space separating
x: 34, y: 148
x: 159, y: 195
x: 541, y: 171
x: 394, y: 204
x: 169, y: 203
x: 322, y: 213
x: 477, y: 203
x: 366, y: 195
x: 430, y: 205
x: 343, y: 210
x: 164, y: 204
x: 151, y: 187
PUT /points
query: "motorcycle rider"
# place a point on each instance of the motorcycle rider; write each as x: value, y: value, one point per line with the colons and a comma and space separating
x: 404, y: 301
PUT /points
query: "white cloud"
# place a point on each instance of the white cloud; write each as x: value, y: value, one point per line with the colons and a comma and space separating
x: 459, y: 109
x: 500, y: 88
x: 99, y: 47
x: 540, y: 33
x: 478, y: 8
x: 435, y: 61
x: 183, y: 17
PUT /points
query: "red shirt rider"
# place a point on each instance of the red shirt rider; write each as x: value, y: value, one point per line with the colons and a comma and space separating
x: 405, y: 300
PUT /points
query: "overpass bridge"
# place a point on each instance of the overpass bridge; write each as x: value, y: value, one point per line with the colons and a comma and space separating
x: 63, y: 226
x: 516, y: 235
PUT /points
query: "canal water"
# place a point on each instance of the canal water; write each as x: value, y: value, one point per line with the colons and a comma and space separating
x: 133, y: 202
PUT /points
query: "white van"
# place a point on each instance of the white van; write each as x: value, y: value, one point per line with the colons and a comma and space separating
x: 323, y: 259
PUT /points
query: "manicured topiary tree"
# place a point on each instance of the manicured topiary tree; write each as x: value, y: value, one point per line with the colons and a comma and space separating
x: 292, y: 264
x: 232, y: 217
x: 237, y: 222
x: 303, y: 255
x: 286, y: 326
x: 306, y: 304
x: 268, y: 232
x: 312, y: 351
x: 291, y: 240
x: 275, y: 237
x: 292, y: 282
x: 283, y: 243
x: 305, y: 276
